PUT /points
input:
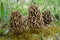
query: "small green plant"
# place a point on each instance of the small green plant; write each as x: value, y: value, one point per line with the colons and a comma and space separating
x: 2, y: 11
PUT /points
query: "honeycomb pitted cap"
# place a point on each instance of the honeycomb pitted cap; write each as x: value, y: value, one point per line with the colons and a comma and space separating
x: 47, y: 17
x: 35, y: 18
x: 16, y: 22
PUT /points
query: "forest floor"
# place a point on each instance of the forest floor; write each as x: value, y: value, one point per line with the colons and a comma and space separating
x: 48, y: 33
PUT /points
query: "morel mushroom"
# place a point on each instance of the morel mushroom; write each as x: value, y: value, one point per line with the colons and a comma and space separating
x: 16, y: 22
x: 57, y: 16
x: 35, y: 17
x: 46, y: 17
